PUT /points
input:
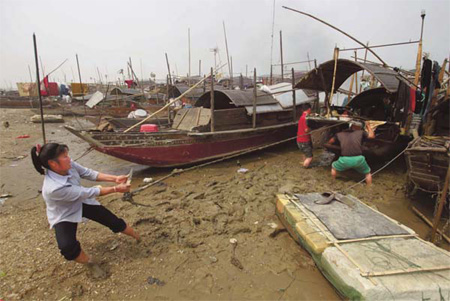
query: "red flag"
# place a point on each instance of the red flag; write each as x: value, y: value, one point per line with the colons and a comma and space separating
x: 44, y: 89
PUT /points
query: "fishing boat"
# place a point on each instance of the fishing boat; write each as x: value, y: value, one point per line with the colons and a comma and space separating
x: 387, y: 104
x: 428, y: 156
x: 230, y: 122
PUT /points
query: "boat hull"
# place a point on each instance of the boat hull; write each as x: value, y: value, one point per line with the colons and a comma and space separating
x: 197, y: 149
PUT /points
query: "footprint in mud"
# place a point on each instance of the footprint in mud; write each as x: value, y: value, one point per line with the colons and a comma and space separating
x: 97, y: 272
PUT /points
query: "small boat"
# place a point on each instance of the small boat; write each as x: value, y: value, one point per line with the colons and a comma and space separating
x: 200, y: 134
x: 21, y: 102
x: 364, y: 254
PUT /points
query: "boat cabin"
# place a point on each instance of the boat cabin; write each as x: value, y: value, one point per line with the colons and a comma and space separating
x: 233, y: 109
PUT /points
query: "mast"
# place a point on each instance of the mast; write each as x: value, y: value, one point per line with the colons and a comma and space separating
x: 228, y: 56
x: 419, y: 51
x: 39, y: 88
x: 281, y: 55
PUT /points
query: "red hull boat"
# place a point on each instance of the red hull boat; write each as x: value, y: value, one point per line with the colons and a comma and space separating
x: 196, y: 137
x: 184, y: 149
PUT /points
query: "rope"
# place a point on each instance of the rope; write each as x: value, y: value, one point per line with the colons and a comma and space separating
x: 85, y: 153
x: 179, y: 171
x: 377, y: 171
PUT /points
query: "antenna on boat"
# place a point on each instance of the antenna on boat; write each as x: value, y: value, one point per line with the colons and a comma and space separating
x: 38, y: 82
x: 341, y: 31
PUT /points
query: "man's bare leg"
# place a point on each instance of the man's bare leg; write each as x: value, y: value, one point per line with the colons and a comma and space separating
x: 333, y: 173
x: 306, y: 162
x: 369, y: 179
x: 130, y: 232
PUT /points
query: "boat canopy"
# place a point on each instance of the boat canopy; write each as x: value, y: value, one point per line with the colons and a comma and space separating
x: 124, y: 91
x: 277, y: 99
x: 388, y: 78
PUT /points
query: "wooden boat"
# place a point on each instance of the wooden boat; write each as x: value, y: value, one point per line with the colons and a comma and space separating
x: 428, y: 156
x: 390, y: 103
x: 20, y: 102
x: 427, y: 160
x: 195, y: 137
x: 113, y: 107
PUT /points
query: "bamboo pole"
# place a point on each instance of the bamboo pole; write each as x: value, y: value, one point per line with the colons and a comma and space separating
x: 168, y: 69
x: 330, y: 98
x: 360, y: 268
x: 204, y: 84
x: 41, y: 108
x: 379, y: 46
x: 441, y: 74
x: 296, y: 63
x: 29, y: 71
x: 365, y: 58
x: 254, y: 99
x: 437, y: 216
x: 429, y: 223
x: 294, y: 107
x: 376, y: 238
x: 309, y: 61
x: 189, y: 51
x: 43, y: 70
x: 419, y: 51
x: 281, y: 55
x: 228, y: 56
x: 81, y: 83
x: 271, y: 74
x: 212, y: 101
x: 405, y: 271
x: 168, y: 99
x: 357, y: 90
x: 231, y: 78
x: 334, y: 27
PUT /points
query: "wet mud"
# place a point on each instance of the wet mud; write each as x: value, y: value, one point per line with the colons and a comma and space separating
x: 209, y: 233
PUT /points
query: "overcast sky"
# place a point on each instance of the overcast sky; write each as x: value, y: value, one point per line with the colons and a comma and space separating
x: 106, y: 33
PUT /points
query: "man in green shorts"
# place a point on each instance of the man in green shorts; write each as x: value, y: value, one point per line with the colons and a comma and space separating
x: 351, y: 153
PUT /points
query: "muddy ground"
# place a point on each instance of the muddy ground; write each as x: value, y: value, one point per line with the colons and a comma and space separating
x: 186, y: 224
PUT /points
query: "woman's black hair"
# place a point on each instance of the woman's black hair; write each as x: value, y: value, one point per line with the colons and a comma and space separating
x: 49, y: 151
